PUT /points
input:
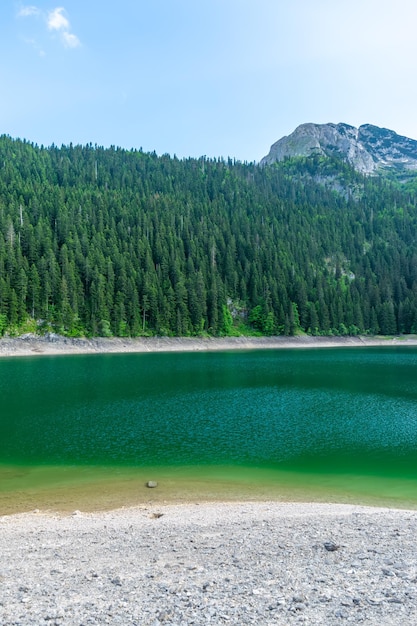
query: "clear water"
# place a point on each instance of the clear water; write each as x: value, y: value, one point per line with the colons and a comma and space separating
x: 334, y: 419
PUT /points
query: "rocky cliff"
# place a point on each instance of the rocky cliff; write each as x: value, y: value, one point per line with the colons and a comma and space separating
x: 367, y: 148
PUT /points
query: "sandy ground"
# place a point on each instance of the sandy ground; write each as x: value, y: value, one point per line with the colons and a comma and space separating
x: 51, y: 344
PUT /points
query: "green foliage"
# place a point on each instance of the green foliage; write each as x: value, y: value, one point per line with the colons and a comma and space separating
x: 3, y: 323
x: 227, y: 325
x: 262, y: 319
x: 269, y: 324
x: 256, y: 317
x: 104, y: 328
x: 123, y: 243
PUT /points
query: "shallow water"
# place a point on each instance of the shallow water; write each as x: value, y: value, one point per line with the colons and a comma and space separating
x: 335, y: 424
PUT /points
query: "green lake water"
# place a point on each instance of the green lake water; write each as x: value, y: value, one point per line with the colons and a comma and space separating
x: 329, y: 424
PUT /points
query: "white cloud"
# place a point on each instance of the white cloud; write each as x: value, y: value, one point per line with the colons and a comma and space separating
x: 28, y: 11
x: 57, y: 20
x: 70, y: 40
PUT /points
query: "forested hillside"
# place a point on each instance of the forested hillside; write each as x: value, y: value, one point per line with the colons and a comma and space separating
x: 113, y: 242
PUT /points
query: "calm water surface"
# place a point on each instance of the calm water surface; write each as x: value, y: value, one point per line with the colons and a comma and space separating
x: 332, y: 417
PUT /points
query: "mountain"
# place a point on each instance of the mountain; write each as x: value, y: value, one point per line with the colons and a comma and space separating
x: 369, y: 149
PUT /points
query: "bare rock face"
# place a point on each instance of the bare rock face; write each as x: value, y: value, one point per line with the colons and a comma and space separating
x: 367, y: 148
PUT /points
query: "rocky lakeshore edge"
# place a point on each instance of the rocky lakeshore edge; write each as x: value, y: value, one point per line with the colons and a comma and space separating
x: 195, y: 564
x: 52, y: 344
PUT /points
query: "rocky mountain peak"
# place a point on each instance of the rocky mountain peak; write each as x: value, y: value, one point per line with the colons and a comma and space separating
x: 367, y: 148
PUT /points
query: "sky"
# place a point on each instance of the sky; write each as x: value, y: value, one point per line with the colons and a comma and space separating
x: 220, y: 78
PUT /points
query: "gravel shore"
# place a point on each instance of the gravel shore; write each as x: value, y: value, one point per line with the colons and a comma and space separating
x: 199, y: 564
x: 51, y: 344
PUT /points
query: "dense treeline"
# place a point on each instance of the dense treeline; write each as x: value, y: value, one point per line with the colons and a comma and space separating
x: 113, y: 242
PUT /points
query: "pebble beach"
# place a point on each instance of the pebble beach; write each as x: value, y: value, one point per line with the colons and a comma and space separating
x: 267, y: 563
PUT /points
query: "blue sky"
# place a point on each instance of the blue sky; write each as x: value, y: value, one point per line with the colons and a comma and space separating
x: 214, y: 77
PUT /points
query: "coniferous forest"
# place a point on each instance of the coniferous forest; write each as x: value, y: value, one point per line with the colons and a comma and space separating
x: 106, y: 242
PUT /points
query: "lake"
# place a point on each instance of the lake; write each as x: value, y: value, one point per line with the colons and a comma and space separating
x: 337, y: 424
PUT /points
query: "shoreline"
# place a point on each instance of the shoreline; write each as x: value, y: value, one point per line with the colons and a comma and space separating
x: 51, y: 344
x: 244, y: 563
x: 64, y: 489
